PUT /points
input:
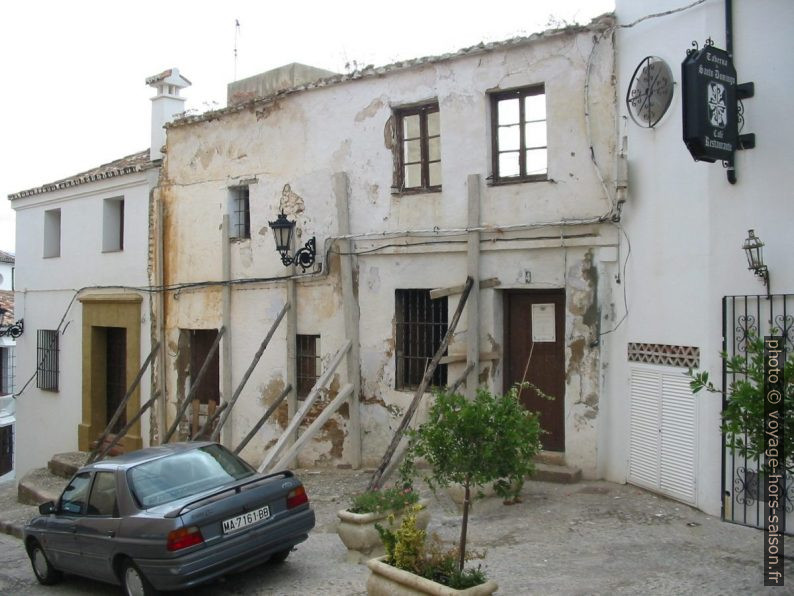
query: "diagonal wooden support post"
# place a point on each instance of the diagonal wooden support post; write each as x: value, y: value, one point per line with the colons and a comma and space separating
x: 263, y: 419
x: 251, y: 367
x: 128, y: 426
x: 304, y: 409
x: 123, y: 405
x: 208, y: 422
x: 194, y: 385
x: 409, y: 413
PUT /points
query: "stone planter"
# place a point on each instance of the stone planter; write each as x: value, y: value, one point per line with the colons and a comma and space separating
x: 385, y: 580
x: 357, y: 531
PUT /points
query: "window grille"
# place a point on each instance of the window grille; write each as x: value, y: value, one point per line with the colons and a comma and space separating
x: 240, y: 212
x: 47, y: 359
x: 309, y: 365
x: 666, y: 355
x: 7, y: 366
x: 421, y: 324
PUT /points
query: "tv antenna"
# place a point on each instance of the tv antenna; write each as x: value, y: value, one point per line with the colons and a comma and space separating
x: 236, y: 33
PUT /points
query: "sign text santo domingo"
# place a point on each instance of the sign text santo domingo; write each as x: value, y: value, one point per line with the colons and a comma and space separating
x: 708, y: 85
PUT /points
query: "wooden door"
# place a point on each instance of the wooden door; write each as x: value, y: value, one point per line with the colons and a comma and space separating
x: 535, y: 352
x: 6, y: 449
x: 116, y: 374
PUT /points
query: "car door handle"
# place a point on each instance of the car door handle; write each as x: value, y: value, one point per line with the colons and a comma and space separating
x: 110, y: 533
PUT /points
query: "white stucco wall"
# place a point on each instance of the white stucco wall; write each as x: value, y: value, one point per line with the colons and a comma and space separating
x: 46, y: 290
x: 685, y: 221
x: 304, y: 138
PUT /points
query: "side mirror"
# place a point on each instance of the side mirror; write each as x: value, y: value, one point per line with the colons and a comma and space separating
x: 47, y: 508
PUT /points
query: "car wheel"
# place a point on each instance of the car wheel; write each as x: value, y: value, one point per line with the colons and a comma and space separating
x: 133, y: 582
x: 42, y: 569
x: 280, y: 556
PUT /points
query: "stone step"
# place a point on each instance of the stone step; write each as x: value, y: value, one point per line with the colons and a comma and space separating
x: 39, y: 486
x: 558, y: 474
x: 553, y: 458
x: 66, y: 465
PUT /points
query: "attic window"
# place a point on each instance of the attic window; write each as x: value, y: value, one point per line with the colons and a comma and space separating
x: 112, y: 225
x: 52, y: 233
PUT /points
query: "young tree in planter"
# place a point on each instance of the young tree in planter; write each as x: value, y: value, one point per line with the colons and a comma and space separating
x: 743, y: 416
x: 491, y: 439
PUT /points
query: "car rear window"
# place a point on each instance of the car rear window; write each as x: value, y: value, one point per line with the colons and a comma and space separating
x: 185, y: 474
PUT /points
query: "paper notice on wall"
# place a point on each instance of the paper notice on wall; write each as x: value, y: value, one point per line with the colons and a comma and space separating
x: 543, y: 329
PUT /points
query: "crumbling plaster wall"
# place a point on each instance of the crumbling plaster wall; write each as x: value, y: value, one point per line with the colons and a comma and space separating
x: 303, y: 139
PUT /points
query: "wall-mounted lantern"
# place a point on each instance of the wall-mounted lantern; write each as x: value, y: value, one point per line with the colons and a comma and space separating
x: 14, y: 330
x: 753, y: 249
x: 282, y: 233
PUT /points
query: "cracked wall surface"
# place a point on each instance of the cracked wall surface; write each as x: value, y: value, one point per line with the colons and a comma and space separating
x: 293, y: 145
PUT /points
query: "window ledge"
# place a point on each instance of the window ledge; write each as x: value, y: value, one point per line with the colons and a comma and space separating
x: 415, y: 191
x: 507, y: 181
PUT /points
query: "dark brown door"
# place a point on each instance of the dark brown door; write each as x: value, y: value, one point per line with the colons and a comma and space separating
x: 6, y: 449
x: 208, y: 392
x: 535, y: 353
x: 116, y: 375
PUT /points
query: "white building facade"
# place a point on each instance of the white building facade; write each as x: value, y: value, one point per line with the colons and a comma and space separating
x: 687, y: 223
x: 9, y: 328
x: 82, y: 289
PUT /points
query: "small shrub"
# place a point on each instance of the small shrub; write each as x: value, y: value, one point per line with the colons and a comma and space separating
x: 383, y: 501
x: 407, y: 548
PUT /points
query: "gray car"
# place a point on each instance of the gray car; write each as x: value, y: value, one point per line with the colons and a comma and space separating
x: 168, y: 518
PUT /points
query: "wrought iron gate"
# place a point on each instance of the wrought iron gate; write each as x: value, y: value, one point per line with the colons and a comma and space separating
x: 742, y: 485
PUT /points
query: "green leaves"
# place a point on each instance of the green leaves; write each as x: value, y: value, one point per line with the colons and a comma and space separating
x: 743, y: 414
x: 381, y: 501
x: 490, y: 439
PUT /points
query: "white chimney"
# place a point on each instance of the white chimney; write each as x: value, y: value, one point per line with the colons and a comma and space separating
x: 165, y: 105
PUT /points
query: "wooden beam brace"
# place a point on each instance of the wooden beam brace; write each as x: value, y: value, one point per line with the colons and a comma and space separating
x: 208, y: 422
x: 453, y: 358
x: 128, y: 426
x: 251, y: 367
x: 491, y: 282
x: 263, y: 419
x: 431, y: 368
x: 195, y: 385
x: 304, y: 409
x: 123, y: 405
x: 316, y: 425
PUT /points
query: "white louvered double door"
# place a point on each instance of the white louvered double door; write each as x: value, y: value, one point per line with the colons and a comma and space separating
x: 663, y: 439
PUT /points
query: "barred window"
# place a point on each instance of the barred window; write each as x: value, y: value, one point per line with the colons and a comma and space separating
x: 309, y: 366
x: 239, y: 213
x: 7, y: 364
x: 47, y: 359
x: 421, y: 326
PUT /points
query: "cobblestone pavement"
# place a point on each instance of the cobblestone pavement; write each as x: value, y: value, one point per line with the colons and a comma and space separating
x: 585, y: 538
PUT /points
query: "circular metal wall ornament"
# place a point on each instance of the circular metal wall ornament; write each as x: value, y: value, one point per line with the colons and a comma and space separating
x: 650, y: 92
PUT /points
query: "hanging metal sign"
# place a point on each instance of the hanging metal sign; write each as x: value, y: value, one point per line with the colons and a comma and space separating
x: 708, y: 90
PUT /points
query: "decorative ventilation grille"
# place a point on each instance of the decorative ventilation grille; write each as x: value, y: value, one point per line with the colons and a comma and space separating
x: 683, y: 356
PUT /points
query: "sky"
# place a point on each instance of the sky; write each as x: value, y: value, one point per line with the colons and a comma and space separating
x: 73, y: 94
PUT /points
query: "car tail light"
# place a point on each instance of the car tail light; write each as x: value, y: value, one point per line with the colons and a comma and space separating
x: 297, y: 497
x: 184, y: 537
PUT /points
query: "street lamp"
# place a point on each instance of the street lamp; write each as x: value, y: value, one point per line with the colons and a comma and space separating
x: 753, y: 249
x: 283, y: 230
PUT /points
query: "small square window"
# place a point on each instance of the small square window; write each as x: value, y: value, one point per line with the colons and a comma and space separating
x: 309, y: 365
x: 417, y: 153
x: 52, y: 233
x: 421, y: 325
x: 239, y: 213
x: 518, y: 127
x: 112, y: 225
x: 47, y: 359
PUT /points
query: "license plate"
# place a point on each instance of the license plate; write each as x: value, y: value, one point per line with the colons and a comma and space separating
x: 234, y: 524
